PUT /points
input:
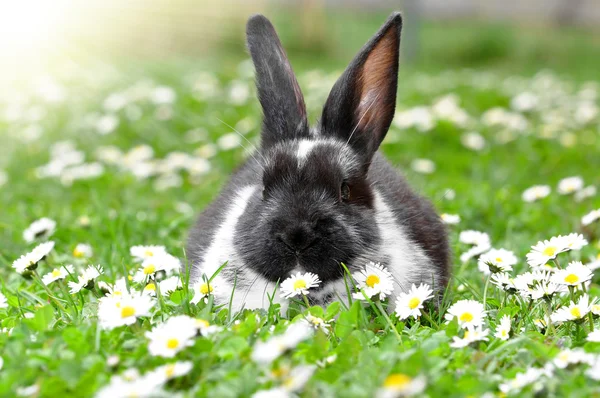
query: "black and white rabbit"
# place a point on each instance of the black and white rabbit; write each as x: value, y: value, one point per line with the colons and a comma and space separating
x: 312, y: 198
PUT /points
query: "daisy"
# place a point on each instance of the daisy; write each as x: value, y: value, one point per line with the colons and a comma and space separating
x: 594, y: 370
x: 573, y: 312
x: 410, y: 304
x: 591, y: 217
x: 158, y: 262
x: 536, y: 192
x: 522, y: 380
x: 475, y: 238
x: 472, y: 334
x: 569, y: 185
x: 317, y: 323
x: 265, y: 352
x: 468, y: 312
x: 29, y: 261
x: 545, y: 251
x: 143, y: 252
x: 276, y: 392
x: 3, y: 301
x: 201, y: 291
x: 86, y: 279
x: 118, y: 311
x: 450, y: 219
x: 169, y: 285
x: 594, y: 336
x: 116, y: 291
x: 168, y: 338
x: 575, y: 274
x: 299, y: 284
x: 42, y: 228
x: 541, y: 323
x: 120, y: 387
x: 504, y: 281
x: 401, y: 385
x: 570, y: 357
x: 496, y: 260
x: 503, y: 329
x: 585, y: 193
x: 170, y: 371
x: 373, y: 280
x: 57, y: 273
x: 83, y: 250
x: 298, y: 377
x: 205, y: 328
x: 575, y: 241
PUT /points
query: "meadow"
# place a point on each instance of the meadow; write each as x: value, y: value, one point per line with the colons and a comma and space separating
x: 117, y: 160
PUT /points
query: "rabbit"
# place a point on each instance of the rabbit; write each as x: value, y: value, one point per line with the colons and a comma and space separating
x: 311, y: 199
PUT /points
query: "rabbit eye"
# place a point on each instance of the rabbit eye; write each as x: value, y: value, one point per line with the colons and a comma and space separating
x: 345, y: 191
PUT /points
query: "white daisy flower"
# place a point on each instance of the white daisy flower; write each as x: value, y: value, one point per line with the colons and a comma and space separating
x: 170, y: 371
x: 276, y: 392
x: 472, y: 334
x: 591, y: 217
x: 595, y: 308
x: 3, y: 301
x: 29, y: 261
x: 536, y: 285
x: 536, y: 192
x: 569, y: 185
x: 42, y: 228
x: 143, y: 387
x: 57, y: 273
x: 570, y: 357
x: 299, y: 284
x: 496, y: 260
x: 503, y: 328
x: 522, y: 380
x: 86, y: 279
x: 594, y: 336
x: 541, y: 323
x: 475, y: 238
x: 202, y: 290
x: 545, y: 251
x: 423, y: 166
x: 585, y: 193
x: 83, y: 250
x: 468, y: 313
x: 158, y: 262
x: 265, y: 352
x: 504, y: 281
x: 142, y: 253
x: 373, y: 280
x: 593, y: 372
x: 298, y: 377
x: 401, y: 385
x: 124, y: 310
x: 575, y: 274
x: 205, y: 328
x: 317, y: 323
x: 450, y: 219
x: 575, y: 241
x: 573, y: 311
x: 410, y: 304
x: 118, y: 290
x: 168, y: 338
x: 169, y: 285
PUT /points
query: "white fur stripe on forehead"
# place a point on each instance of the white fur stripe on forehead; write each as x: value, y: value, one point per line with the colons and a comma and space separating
x: 223, y: 240
x: 305, y: 147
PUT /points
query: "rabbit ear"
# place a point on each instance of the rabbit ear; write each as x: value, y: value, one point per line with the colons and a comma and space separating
x: 278, y: 90
x: 361, y: 105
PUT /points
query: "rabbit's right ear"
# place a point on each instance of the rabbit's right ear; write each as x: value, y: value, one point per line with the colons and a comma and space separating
x: 278, y: 90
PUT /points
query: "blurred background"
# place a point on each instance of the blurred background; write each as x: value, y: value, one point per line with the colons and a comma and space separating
x: 514, y: 35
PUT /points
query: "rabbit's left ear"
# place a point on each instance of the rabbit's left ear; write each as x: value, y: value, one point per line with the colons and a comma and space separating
x: 279, y: 93
x: 361, y: 105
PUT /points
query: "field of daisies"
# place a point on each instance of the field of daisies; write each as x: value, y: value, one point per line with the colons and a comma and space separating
x: 104, y: 169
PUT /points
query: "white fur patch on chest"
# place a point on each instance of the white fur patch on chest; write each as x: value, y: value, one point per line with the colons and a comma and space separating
x: 251, y: 288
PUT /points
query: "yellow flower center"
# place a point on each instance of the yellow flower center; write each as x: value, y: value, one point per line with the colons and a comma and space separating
x: 205, y: 288
x: 127, y: 311
x: 467, y: 334
x: 130, y: 277
x: 549, y: 251
x: 498, y: 259
x: 149, y: 253
x: 503, y: 333
x: 170, y: 370
x: 372, y: 280
x: 414, y: 303
x: 172, y: 344
x: 466, y: 317
x: 77, y: 253
x: 299, y: 284
x: 576, y: 312
x: 571, y: 278
x: 397, y: 381
x: 201, y: 323
x: 151, y: 287
x: 55, y: 273
x: 149, y: 269
x: 596, y: 308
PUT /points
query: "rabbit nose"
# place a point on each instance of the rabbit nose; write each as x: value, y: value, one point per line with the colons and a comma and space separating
x: 297, y: 237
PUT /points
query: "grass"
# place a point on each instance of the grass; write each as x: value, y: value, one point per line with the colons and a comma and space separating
x: 65, y: 352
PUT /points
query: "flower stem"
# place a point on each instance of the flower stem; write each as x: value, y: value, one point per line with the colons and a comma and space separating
x: 485, y: 288
x: 590, y: 317
x: 549, y: 326
x: 49, y: 292
x: 387, y: 318
x: 305, y: 301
